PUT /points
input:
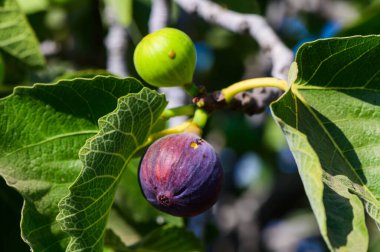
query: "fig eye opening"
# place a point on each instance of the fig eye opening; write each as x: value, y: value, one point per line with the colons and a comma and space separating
x: 164, y: 200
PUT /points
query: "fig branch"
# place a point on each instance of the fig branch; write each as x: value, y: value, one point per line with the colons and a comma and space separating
x: 242, y: 96
x: 205, y: 103
x: 255, y: 25
x: 245, y: 85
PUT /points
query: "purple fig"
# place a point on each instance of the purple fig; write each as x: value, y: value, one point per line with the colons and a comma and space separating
x: 181, y: 174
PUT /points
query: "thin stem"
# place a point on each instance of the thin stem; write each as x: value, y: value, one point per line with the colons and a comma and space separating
x: 177, y: 129
x: 241, y: 86
x: 186, y: 110
x: 191, y: 89
x: 200, y: 118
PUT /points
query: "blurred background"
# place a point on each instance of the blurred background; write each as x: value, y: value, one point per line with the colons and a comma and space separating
x: 263, y: 206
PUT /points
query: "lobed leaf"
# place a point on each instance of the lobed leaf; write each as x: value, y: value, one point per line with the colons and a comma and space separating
x: 331, y: 117
x: 42, y: 129
x: 84, y: 212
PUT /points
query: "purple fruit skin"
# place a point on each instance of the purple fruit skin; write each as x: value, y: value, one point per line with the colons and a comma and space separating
x: 181, y: 174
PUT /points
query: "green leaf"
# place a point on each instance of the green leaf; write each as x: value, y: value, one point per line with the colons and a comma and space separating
x: 33, y: 6
x: 42, y: 129
x: 16, y: 36
x: 331, y: 117
x: 113, y: 242
x: 169, y: 239
x: 2, y: 68
x: 119, y: 231
x: 88, y: 73
x: 84, y: 213
x: 367, y: 23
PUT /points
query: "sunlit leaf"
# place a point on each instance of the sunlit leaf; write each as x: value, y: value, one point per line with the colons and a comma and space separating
x: 42, y: 129
x: 331, y: 119
x: 84, y: 213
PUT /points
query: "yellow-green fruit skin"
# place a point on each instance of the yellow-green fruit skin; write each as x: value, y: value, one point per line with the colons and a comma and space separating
x: 166, y: 58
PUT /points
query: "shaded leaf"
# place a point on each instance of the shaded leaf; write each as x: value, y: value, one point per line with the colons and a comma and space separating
x: 119, y: 232
x: 169, y: 239
x: 331, y: 117
x: 42, y: 128
x: 33, y: 6
x: 16, y: 36
x: 367, y: 23
x: 113, y: 242
x: 84, y: 212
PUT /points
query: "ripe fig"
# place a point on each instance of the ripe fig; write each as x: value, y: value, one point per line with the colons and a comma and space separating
x: 181, y: 174
x: 166, y: 58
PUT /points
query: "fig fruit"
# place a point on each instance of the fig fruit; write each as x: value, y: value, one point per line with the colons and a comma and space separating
x: 181, y: 174
x: 166, y: 58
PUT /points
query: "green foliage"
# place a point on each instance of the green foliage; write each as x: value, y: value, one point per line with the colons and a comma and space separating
x: 41, y: 131
x: 1, y: 69
x: 16, y: 36
x: 84, y: 213
x: 169, y: 239
x: 33, y: 6
x: 330, y: 117
x: 71, y: 149
x: 367, y: 24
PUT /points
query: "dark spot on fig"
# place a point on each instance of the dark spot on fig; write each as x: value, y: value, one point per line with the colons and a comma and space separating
x: 171, y: 54
x: 199, y: 141
x: 196, y: 144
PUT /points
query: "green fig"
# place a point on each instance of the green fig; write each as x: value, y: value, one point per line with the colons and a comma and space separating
x: 166, y: 58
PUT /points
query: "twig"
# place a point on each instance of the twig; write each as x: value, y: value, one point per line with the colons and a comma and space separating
x: 255, y: 25
x: 159, y: 14
x: 116, y: 44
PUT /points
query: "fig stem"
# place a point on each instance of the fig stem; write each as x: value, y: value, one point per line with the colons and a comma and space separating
x: 191, y: 89
x: 186, y: 110
x: 200, y: 117
x: 241, y: 86
x: 177, y: 129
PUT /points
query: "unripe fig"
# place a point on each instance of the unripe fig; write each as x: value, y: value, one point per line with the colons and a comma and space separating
x: 181, y: 174
x: 166, y: 58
